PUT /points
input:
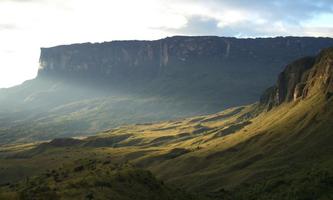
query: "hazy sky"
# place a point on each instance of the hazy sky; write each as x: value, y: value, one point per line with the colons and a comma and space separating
x: 27, y: 25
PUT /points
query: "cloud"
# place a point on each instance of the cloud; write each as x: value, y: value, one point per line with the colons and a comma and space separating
x: 318, y: 31
x: 28, y: 1
x: 4, y: 27
x: 209, y: 17
x: 252, y: 18
x: 197, y: 25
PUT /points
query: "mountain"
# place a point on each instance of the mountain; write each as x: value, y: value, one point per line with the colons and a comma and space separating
x: 278, y: 148
x: 173, y: 66
x: 301, y: 79
x: 85, y: 88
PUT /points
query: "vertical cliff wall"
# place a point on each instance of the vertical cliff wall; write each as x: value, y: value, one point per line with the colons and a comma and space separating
x: 301, y: 79
x: 216, y: 71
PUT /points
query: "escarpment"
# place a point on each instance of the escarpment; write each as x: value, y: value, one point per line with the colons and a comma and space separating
x: 302, y: 78
x: 197, y: 68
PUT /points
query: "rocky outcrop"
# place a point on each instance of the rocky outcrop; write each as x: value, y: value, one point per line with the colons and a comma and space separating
x: 302, y: 78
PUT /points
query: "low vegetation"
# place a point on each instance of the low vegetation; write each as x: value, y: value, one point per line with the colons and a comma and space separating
x: 251, y: 152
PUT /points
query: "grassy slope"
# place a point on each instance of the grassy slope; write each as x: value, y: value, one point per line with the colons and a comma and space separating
x: 93, y: 179
x: 228, y: 150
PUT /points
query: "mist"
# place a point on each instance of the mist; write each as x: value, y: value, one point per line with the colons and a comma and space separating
x: 86, y: 88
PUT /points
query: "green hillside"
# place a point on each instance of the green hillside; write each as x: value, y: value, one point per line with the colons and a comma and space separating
x: 92, y: 179
x: 279, y: 148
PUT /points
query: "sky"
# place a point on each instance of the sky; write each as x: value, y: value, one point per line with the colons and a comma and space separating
x: 28, y: 25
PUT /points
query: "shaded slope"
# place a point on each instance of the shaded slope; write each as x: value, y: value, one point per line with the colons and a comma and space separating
x: 93, y: 179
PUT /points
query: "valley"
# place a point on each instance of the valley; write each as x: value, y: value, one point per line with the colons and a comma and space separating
x: 277, y: 148
x: 86, y: 88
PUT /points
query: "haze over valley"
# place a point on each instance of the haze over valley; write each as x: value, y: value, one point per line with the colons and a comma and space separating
x: 216, y: 106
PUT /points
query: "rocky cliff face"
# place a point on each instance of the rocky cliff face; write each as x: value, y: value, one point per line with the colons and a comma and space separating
x: 215, y: 72
x: 302, y: 78
x: 147, y: 60
x: 125, y: 59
